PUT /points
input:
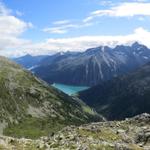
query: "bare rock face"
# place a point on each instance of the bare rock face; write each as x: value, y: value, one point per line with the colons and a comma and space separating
x: 143, y: 118
x: 143, y: 136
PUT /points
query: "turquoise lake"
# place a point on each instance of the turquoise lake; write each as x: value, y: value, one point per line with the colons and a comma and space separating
x: 69, y: 89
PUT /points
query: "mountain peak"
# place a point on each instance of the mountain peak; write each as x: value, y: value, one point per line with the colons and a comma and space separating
x: 97, y: 49
x: 28, y: 55
x: 136, y: 45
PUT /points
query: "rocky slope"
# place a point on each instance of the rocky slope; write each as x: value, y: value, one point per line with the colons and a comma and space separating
x: 123, y: 96
x: 30, y: 108
x: 92, y: 66
x: 131, y: 134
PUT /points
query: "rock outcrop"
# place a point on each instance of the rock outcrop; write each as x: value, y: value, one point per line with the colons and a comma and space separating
x: 130, y: 134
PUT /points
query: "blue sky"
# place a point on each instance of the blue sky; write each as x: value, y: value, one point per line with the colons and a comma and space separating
x: 42, y: 14
x: 47, y: 26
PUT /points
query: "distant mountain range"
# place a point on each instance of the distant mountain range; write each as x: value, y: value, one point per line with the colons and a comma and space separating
x: 29, y: 61
x: 91, y: 67
x: 121, y: 97
x: 31, y: 108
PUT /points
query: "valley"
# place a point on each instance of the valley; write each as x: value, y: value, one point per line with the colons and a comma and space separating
x: 104, y: 85
x: 38, y: 115
x: 109, y: 80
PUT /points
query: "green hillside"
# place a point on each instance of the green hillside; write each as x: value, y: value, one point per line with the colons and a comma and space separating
x: 30, y: 108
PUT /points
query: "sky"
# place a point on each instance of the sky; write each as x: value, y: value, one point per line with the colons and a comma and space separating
x: 39, y: 27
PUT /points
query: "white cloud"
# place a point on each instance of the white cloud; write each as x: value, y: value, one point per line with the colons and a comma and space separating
x: 81, y: 43
x: 11, y: 29
x: 61, y: 22
x: 65, y: 26
x: 55, y: 30
x: 19, y: 13
x: 105, y: 2
x: 11, y: 26
x: 3, y: 10
x: 140, y: 0
x: 141, y: 18
x: 129, y: 9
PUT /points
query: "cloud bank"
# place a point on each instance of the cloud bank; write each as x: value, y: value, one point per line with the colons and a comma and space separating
x: 10, y: 29
x: 129, y: 9
x: 81, y: 43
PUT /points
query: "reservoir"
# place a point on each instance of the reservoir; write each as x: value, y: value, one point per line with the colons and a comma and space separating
x: 69, y: 89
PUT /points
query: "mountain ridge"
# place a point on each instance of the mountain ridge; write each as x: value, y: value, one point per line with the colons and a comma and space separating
x: 93, y: 66
x: 28, y: 61
x: 121, y: 97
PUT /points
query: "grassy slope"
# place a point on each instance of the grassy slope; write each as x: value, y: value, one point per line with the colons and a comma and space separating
x: 51, y: 109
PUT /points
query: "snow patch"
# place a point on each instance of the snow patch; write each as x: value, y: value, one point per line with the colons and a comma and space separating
x: 33, y: 67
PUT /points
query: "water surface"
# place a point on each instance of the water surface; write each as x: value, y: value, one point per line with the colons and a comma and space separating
x: 69, y: 89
